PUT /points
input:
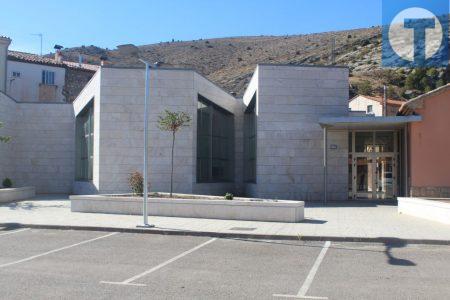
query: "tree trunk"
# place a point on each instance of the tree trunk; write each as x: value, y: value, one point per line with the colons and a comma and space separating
x: 171, y: 172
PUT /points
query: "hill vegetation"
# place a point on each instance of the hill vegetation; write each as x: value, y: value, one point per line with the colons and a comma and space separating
x: 230, y: 62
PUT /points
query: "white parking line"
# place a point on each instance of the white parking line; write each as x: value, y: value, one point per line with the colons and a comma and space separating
x: 15, y: 231
x: 56, y: 250
x: 309, y: 279
x: 130, y: 280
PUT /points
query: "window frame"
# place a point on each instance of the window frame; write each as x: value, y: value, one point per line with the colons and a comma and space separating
x: 84, y: 143
x: 48, y: 77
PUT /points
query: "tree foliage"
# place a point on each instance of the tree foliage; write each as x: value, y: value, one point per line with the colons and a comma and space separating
x: 4, y: 139
x: 173, y: 122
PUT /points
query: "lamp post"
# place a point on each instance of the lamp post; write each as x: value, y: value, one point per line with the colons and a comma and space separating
x: 145, y: 180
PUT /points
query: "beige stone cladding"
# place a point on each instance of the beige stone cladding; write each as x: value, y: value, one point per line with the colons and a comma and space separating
x: 290, y: 100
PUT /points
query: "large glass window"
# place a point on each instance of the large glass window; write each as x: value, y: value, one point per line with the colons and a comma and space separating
x: 364, y: 141
x: 215, y: 142
x: 384, y: 141
x: 85, y: 143
x: 250, y: 142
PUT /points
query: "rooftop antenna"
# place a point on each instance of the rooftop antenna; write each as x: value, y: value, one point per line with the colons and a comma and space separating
x: 40, y: 35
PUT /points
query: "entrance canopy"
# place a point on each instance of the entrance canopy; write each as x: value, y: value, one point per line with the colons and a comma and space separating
x: 367, y: 122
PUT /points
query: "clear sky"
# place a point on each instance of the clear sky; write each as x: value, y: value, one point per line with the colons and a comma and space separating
x: 111, y: 23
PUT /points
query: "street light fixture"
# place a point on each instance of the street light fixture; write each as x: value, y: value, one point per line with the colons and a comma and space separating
x: 145, y: 180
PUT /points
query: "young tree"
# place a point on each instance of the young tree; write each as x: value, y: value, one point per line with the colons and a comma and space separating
x: 173, y: 121
x: 4, y: 139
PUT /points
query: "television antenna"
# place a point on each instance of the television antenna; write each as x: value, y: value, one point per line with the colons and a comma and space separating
x: 40, y: 35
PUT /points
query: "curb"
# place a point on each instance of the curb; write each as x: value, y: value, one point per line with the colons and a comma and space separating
x: 384, y: 240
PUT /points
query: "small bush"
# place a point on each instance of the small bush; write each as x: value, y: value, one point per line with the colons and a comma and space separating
x: 229, y: 196
x: 7, y: 183
x: 136, y: 181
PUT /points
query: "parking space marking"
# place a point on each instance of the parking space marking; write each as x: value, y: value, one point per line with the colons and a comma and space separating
x: 129, y: 281
x: 15, y: 231
x: 309, y: 279
x: 56, y: 250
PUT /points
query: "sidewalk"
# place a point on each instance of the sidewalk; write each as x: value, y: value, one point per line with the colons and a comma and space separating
x: 340, y: 221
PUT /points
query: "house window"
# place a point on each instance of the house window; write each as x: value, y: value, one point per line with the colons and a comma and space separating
x: 250, y: 142
x: 48, y: 77
x: 369, y: 109
x: 215, y: 142
x: 84, y: 141
x: 15, y: 74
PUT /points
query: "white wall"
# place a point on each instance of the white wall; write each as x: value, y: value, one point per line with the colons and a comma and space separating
x: 26, y: 88
x: 41, y: 151
x: 360, y: 103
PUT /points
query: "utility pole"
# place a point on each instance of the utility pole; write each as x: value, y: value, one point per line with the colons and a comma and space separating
x: 40, y: 35
x: 384, y: 100
x: 333, y: 49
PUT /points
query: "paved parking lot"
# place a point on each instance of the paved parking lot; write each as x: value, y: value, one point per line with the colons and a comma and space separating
x: 56, y: 264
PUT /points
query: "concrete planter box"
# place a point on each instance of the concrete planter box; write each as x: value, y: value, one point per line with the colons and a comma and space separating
x: 16, y: 194
x: 250, y: 210
x: 437, y: 210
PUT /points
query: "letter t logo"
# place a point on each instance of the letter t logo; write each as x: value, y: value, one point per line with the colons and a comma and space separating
x: 419, y: 26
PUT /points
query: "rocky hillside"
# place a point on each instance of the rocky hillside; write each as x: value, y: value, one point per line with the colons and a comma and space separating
x: 230, y: 62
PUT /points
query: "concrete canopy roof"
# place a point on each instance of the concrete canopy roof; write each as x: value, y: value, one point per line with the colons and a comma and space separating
x: 367, y: 122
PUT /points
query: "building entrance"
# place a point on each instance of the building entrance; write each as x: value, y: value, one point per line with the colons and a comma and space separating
x: 373, y: 167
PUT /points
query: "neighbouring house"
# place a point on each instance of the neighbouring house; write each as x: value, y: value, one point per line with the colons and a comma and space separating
x: 291, y: 136
x: 33, y: 78
x: 429, y: 171
x: 374, y: 105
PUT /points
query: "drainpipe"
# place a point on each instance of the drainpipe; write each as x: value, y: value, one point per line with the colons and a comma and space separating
x: 325, y: 158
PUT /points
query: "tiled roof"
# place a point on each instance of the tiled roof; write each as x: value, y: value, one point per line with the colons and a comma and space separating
x: 36, y: 59
x: 380, y: 99
x: 415, y: 103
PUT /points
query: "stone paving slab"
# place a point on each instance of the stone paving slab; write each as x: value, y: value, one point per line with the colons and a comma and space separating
x: 342, y: 221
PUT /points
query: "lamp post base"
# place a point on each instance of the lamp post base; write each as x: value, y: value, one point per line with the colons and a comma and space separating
x: 145, y: 226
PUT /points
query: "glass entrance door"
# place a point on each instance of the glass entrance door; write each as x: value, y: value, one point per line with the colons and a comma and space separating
x: 374, y: 177
x: 373, y: 167
x: 364, y: 177
x: 385, y: 177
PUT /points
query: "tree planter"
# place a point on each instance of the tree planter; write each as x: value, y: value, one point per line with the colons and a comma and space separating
x: 16, y: 194
x: 248, y: 209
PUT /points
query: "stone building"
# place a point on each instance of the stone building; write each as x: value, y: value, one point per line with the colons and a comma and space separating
x: 291, y: 136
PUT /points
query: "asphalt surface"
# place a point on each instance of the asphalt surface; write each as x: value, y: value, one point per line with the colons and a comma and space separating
x: 64, y: 264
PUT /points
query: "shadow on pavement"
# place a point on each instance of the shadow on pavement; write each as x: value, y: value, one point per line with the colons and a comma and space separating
x: 9, y: 226
x: 392, y: 260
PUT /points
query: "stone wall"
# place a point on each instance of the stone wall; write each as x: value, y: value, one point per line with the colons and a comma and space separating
x: 75, y: 81
x: 430, y: 191
x: 41, y: 151
x: 8, y: 118
x: 289, y: 139
x: 44, y: 146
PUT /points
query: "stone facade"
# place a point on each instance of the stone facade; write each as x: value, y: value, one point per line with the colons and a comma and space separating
x: 431, y: 192
x: 41, y: 151
x: 290, y: 101
x: 76, y: 80
x: 118, y: 130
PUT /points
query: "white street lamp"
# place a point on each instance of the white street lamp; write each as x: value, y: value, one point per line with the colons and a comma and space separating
x: 145, y: 180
